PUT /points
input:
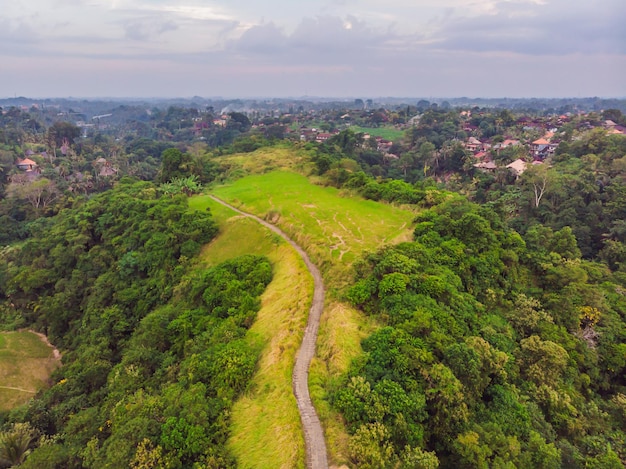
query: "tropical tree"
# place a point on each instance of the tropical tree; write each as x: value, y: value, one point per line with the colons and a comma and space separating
x: 40, y: 193
x: 15, y: 444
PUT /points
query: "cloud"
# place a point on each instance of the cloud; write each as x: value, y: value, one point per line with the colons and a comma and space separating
x: 264, y: 38
x: 339, y: 47
x: 315, y: 40
x: 143, y: 29
x: 554, y: 27
x: 17, y: 37
x: 333, y: 33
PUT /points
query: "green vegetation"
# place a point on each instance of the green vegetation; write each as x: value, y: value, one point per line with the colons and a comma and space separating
x: 155, y: 348
x: 453, y: 335
x: 388, y: 133
x: 494, y: 351
x: 15, y: 444
x: 25, y: 365
x: 265, y: 430
x: 362, y: 225
x: 334, y: 230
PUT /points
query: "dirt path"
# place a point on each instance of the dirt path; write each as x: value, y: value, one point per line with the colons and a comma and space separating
x: 44, y: 339
x: 29, y: 391
x: 313, y: 435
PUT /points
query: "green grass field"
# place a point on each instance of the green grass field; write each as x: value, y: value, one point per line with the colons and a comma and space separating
x: 335, y: 231
x: 388, y: 133
x: 25, y: 366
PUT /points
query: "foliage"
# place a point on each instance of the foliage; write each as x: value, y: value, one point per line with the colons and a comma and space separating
x: 15, y: 444
x: 492, y: 353
x: 154, y: 355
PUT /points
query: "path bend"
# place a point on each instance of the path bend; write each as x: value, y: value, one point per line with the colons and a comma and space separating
x: 316, y: 457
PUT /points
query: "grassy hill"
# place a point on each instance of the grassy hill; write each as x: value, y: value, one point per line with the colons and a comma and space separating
x: 334, y: 227
x: 335, y: 230
x: 25, y: 365
x: 265, y: 421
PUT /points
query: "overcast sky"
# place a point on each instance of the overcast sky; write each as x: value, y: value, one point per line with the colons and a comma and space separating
x: 334, y: 48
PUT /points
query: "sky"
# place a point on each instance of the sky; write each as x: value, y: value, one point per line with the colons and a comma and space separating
x: 324, y: 48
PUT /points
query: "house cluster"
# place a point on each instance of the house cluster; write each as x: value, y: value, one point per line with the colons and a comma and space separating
x: 315, y: 135
x: 613, y: 128
x: 538, y: 151
x: 382, y: 145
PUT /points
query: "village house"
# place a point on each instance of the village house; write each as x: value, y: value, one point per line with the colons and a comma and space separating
x: 105, y: 169
x: 27, y: 165
x: 222, y: 121
x: 505, y: 144
x: 542, y: 148
x: 517, y: 167
x: 613, y: 128
x: 617, y: 130
x: 383, y: 145
x: 473, y: 144
x: 322, y: 137
x: 307, y: 135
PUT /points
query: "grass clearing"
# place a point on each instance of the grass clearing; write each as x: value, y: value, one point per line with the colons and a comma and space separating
x: 26, y: 363
x: 335, y: 231
x: 266, y: 424
x: 278, y: 157
x: 388, y: 133
x: 238, y: 235
x: 266, y: 430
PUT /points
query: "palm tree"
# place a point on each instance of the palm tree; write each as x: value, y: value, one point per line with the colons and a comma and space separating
x: 188, y: 185
x: 15, y: 444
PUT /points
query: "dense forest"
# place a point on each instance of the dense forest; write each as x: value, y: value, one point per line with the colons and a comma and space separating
x: 500, y: 336
x: 153, y: 349
x: 496, y: 350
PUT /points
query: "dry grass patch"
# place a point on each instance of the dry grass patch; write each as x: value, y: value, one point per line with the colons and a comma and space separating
x: 265, y: 427
x: 266, y: 423
x: 26, y: 363
x: 341, y: 330
x: 278, y: 157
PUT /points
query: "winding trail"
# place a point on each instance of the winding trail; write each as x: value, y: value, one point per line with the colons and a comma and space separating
x: 316, y: 457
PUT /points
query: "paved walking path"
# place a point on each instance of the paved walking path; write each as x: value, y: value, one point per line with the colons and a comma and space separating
x: 313, y: 435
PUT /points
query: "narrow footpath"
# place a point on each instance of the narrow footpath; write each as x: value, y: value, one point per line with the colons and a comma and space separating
x: 316, y: 457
